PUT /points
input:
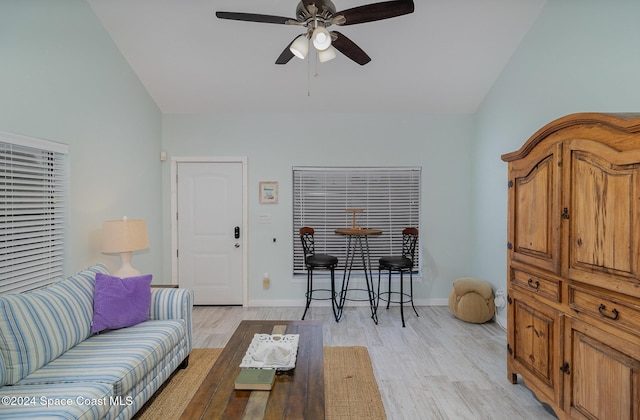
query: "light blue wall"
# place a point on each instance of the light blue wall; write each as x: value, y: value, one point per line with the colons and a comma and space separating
x: 63, y: 79
x: 579, y: 56
x: 441, y: 145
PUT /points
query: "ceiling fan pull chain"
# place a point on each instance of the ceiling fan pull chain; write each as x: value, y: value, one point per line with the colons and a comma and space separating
x: 316, y: 74
x: 309, y: 78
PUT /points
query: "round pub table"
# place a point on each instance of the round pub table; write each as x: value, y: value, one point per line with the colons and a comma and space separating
x: 358, y: 242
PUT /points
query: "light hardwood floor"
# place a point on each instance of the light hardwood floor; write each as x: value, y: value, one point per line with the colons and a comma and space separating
x: 438, y: 367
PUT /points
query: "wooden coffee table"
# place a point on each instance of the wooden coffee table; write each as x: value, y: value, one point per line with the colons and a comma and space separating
x: 296, y: 394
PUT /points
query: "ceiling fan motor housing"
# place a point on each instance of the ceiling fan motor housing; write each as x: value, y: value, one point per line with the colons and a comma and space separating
x: 325, y: 11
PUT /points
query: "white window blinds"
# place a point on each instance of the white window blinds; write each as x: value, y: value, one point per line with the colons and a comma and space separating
x: 389, y: 198
x: 33, y: 199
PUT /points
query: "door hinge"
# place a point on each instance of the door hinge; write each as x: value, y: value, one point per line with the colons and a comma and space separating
x: 509, y: 350
x: 510, y: 184
x: 509, y: 299
x: 565, y: 368
x: 509, y: 245
x: 565, y: 213
x: 177, y: 253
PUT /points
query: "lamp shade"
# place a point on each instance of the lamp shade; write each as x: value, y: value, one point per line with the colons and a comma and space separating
x: 124, y: 235
x: 300, y: 47
x: 321, y: 38
x: 326, y: 55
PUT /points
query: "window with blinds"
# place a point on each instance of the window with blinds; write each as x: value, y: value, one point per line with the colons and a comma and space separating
x: 33, y: 199
x: 389, y: 199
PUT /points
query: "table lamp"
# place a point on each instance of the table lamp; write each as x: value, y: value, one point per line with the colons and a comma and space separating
x: 122, y: 237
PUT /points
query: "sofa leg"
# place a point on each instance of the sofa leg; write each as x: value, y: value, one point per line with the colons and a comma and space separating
x: 184, y: 363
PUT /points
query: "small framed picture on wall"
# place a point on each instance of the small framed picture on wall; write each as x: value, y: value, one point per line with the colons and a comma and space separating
x: 268, y: 192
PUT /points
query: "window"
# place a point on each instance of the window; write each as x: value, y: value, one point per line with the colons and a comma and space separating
x: 389, y: 198
x: 33, y: 200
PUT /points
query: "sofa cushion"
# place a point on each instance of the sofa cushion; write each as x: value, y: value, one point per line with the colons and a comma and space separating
x: 38, y: 326
x: 61, y: 401
x: 119, y: 357
x: 120, y: 303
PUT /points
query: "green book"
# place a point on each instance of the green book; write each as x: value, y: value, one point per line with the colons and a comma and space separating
x: 255, y: 379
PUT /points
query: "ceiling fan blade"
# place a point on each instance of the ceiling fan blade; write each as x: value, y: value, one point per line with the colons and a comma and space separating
x: 350, y: 49
x: 253, y: 17
x: 286, y: 54
x: 376, y: 11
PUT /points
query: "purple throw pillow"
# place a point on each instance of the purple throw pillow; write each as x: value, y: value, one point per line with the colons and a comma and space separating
x: 119, y: 303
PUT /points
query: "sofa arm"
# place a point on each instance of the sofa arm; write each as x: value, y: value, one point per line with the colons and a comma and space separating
x: 169, y: 303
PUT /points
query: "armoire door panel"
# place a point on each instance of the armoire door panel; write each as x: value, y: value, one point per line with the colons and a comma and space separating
x: 603, y: 230
x: 534, y: 203
x: 534, y: 340
x: 604, y: 382
x: 602, y: 220
x: 534, y: 346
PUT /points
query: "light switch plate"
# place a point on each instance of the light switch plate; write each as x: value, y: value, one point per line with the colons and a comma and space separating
x: 264, y: 219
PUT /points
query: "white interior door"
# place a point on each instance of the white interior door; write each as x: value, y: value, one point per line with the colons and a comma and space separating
x: 210, y: 231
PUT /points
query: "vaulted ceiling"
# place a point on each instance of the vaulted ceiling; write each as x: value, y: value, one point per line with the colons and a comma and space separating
x: 441, y: 59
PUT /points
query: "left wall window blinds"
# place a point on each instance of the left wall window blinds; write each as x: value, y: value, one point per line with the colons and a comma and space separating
x: 33, y: 205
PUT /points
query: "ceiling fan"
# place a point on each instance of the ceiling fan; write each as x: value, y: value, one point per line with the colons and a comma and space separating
x: 316, y: 16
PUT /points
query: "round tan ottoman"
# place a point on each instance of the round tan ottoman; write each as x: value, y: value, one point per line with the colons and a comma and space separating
x: 471, y: 300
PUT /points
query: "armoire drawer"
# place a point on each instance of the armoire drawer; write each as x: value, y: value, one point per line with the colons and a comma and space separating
x: 547, y: 288
x: 605, y: 307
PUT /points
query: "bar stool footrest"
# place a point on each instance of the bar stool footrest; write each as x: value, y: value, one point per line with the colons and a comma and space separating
x: 309, y: 294
x: 389, y: 298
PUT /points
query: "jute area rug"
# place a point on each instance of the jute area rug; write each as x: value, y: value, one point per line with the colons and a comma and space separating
x: 351, y: 390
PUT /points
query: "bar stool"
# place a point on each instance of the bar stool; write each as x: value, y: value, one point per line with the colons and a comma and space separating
x: 317, y: 261
x: 400, y: 263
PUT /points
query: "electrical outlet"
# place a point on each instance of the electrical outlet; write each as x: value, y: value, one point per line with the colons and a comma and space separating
x: 499, y: 300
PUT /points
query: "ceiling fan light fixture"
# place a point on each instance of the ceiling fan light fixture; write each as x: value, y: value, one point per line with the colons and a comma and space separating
x: 315, y: 16
x: 326, y: 55
x: 321, y: 38
x: 300, y: 47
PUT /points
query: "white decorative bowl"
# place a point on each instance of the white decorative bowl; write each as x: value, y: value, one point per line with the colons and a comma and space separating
x: 272, y: 351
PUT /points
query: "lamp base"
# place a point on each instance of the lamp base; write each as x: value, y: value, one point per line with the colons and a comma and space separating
x: 126, y: 269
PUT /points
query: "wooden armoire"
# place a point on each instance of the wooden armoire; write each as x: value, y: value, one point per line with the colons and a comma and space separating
x: 573, y: 245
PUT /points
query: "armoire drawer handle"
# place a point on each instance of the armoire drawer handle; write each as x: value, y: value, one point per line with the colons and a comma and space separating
x: 533, y: 285
x: 614, y: 313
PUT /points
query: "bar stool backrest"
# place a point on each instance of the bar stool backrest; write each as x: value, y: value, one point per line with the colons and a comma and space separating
x: 308, y: 241
x: 409, y: 241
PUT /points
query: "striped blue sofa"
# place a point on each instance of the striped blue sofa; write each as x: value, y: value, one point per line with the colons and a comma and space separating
x: 52, y: 367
